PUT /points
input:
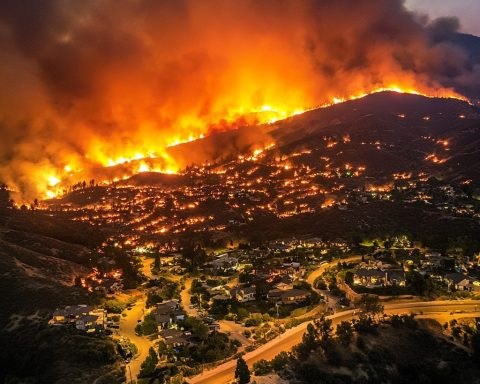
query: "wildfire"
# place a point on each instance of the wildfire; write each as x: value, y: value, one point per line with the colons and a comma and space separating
x: 435, y: 159
x: 156, y: 159
x: 380, y: 188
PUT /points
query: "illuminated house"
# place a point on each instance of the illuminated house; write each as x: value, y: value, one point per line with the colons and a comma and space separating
x: 224, y: 263
x: 370, y: 277
x: 244, y: 294
x: 168, y: 313
x: 83, y: 317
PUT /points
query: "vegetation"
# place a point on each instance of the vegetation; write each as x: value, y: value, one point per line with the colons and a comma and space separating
x: 129, y: 264
x: 214, y: 347
x: 193, y: 256
x: 401, y: 350
x: 242, y: 373
x: 161, y: 289
x: 345, y: 332
x: 148, y: 326
x: 114, y: 306
x: 41, y: 354
x: 371, y: 305
x: 147, y: 368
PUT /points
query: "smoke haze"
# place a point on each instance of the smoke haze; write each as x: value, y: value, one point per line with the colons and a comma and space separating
x: 94, y: 83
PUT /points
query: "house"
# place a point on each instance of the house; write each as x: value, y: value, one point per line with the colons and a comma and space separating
x: 369, y: 277
x: 288, y: 296
x: 433, y: 259
x: 69, y: 314
x: 220, y: 297
x: 293, y: 269
x: 274, y: 294
x: 95, y: 321
x: 168, y: 313
x: 82, y: 316
x: 224, y: 263
x: 174, y: 337
x: 458, y: 281
x: 294, y: 296
x: 214, y: 327
x: 396, y: 277
x: 243, y: 294
x: 284, y: 286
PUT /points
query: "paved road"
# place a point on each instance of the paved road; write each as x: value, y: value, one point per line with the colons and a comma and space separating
x: 185, y: 296
x: 127, y: 329
x: 147, y: 267
x: 224, y: 373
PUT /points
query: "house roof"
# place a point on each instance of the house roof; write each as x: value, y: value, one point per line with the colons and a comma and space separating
x: 295, y: 293
x: 177, y: 340
x: 457, y: 278
x: 162, y: 319
x: 73, y: 311
x: 275, y: 292
x: 248, y: 290
x: 396, y: 274
x: 220, y: 297
x: 167, y: 307
x: 283, y: 286
x: 168, y: 333
x: 88, y: 318
x: 364, y: 272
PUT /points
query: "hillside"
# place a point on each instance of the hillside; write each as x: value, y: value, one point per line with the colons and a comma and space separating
x: 418, y: 352
x: 40, y: 257
x: 388, y: 132
x: 384, y: 164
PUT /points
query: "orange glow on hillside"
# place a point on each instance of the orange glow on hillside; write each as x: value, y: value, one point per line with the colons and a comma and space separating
x: 152, y: 156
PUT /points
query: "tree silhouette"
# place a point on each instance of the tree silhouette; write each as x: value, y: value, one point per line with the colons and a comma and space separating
x: 242, y: 373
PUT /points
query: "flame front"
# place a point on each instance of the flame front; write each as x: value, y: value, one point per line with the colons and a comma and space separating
x: 104, y: 90
x: 153, y: 157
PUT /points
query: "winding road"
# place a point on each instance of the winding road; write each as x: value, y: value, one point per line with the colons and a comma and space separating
x: 127, y: 329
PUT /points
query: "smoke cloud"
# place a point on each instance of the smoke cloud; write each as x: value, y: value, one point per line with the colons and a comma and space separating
x: 93, y: 83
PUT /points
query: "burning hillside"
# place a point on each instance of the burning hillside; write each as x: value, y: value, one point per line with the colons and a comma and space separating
x: 90, y: 88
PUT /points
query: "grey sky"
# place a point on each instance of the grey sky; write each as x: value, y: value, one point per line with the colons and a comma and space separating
x: 468, y: 11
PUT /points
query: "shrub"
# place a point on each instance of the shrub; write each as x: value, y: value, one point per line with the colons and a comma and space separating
x: 114, y: 306
x: 262, y: 367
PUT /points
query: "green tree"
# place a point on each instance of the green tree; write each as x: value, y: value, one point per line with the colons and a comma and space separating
x: 310, y: 337
x: 197, y: 327
x: 164, y: 349
x: 193, y: 256
x: 156, y: 262
x: 262, y: 367
x: 324, y: 328
x: 345, y: 332
x: 279, y: 361
x: 147, y: 368
x: 419, y: 284
x: 242, y: 373
x: 388, y: 243
x: 371, y: 305
x: 349, y: 277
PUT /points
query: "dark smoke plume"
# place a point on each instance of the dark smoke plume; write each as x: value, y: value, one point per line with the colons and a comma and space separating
x: 95, y: 82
